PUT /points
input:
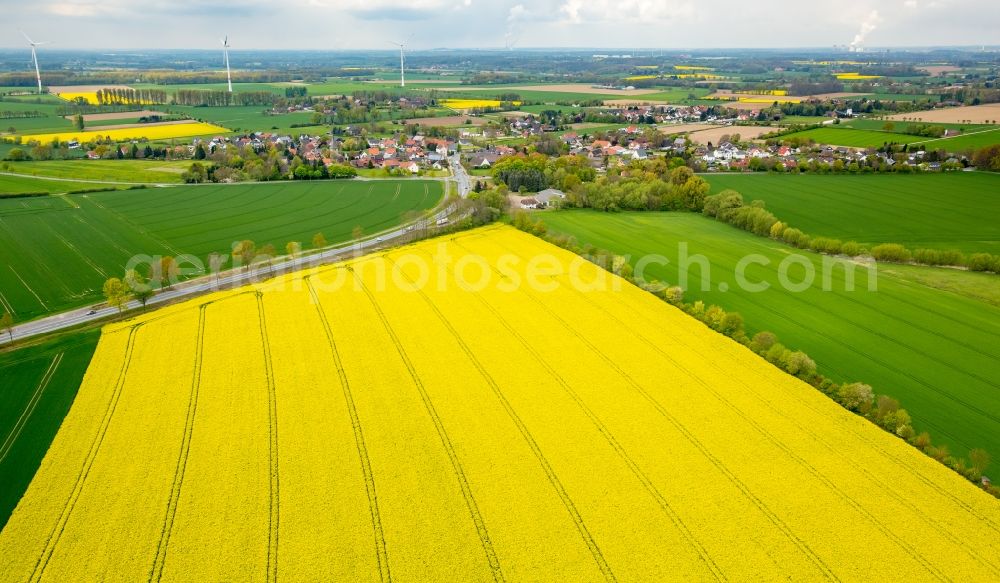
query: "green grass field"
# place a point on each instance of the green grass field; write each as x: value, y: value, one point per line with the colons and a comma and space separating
x: 21, y: 184
x: 936, y: 351
x: 936, y: 211
x: 900, y: 126
x: 851, y: 138
x: 803, y: 119
x: 157, y: 171
x: 900, y: 97
x: 965, y: 142
x: 39, y: 385
x: 62, y: 249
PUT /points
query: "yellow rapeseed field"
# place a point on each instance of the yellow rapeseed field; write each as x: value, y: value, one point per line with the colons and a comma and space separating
x: 855, y: 77
x: 766, y: 99
x: 472, y: 103
x: 90, y: 97
x: 482, y: 407
x: 152, y: 132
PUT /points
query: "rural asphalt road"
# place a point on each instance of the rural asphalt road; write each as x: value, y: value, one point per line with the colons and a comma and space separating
x: 208, y: 284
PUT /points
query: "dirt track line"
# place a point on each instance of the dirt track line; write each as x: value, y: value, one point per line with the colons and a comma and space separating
x: 15, y: 431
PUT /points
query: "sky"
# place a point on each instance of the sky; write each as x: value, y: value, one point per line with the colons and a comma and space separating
x: 485, y: 24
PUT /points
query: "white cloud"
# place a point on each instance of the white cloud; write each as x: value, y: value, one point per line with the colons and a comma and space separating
x: 648, y: 11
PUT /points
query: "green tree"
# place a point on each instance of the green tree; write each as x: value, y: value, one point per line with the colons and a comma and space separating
x: 78, y: 122
x: 139, y: 287
x: 168, y: 272
x: 293, y: 248
x: 319, y: 241
x: 116, y: 293
x: 7, y: 325
x: 16, y: 155
x: 980, y: 460
x: 856, y: 396
x: 244, y: 252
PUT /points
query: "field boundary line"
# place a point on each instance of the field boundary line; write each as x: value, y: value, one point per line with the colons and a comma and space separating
x: 22, y: 420
x: 381, y: 554
x: 617, y: 446
x: 456, y: 464
x: 272, y: 416
x: 160, y: 559
x: 53, y: 539
x: 526, y: 434
x: 28, y: 287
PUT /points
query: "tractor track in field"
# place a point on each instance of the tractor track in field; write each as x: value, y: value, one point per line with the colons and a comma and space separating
x: 693, y: 440
x: 470, y: 500
x: 29, y: 408
x: 52, y: 540
x: 274, y: 497
x: 381, y: 554
x: 550, y: 473
x: 768, y: 436
x: 637, y: 471
x: 163, y: 544
x: 929, y: 520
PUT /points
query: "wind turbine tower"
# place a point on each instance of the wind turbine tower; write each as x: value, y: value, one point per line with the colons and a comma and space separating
x: 402, y: 60
x: 225, y: 52
x: 34, y: 57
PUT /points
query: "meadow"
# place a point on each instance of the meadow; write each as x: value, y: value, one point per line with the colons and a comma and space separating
x: 148, y: 171
x: 967, y: 142
x: 852, y: 138
x: 40, y: 382
x: 63, y: 248
x: 901, y: 126
x: 942, y: 211
x: 935, y: 350
x: 22, y: 184
x: 383, y: 427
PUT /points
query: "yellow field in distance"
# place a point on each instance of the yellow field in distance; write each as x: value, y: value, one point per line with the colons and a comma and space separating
x: 91, y: 97
x: 473, y: 103
x: 483, y: 407
x: 855, y: 77
x: 152, y: 132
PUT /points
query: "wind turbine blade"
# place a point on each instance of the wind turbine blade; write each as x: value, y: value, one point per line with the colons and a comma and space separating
x: 26, y: 37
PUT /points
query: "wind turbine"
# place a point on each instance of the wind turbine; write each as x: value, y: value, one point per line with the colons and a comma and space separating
x: 34, y: 57
x: 225, y: 51
x: 402, y: 60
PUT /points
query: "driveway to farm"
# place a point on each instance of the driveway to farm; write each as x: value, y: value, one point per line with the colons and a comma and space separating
x: 231, y: 279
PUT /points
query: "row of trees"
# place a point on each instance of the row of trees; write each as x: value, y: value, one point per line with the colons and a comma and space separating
x: 857, y: 397
x: 728, y: 206
x: 129, y: 96
x: 209, y: 98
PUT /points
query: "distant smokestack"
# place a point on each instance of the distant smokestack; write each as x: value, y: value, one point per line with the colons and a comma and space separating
x: 867, y: 26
